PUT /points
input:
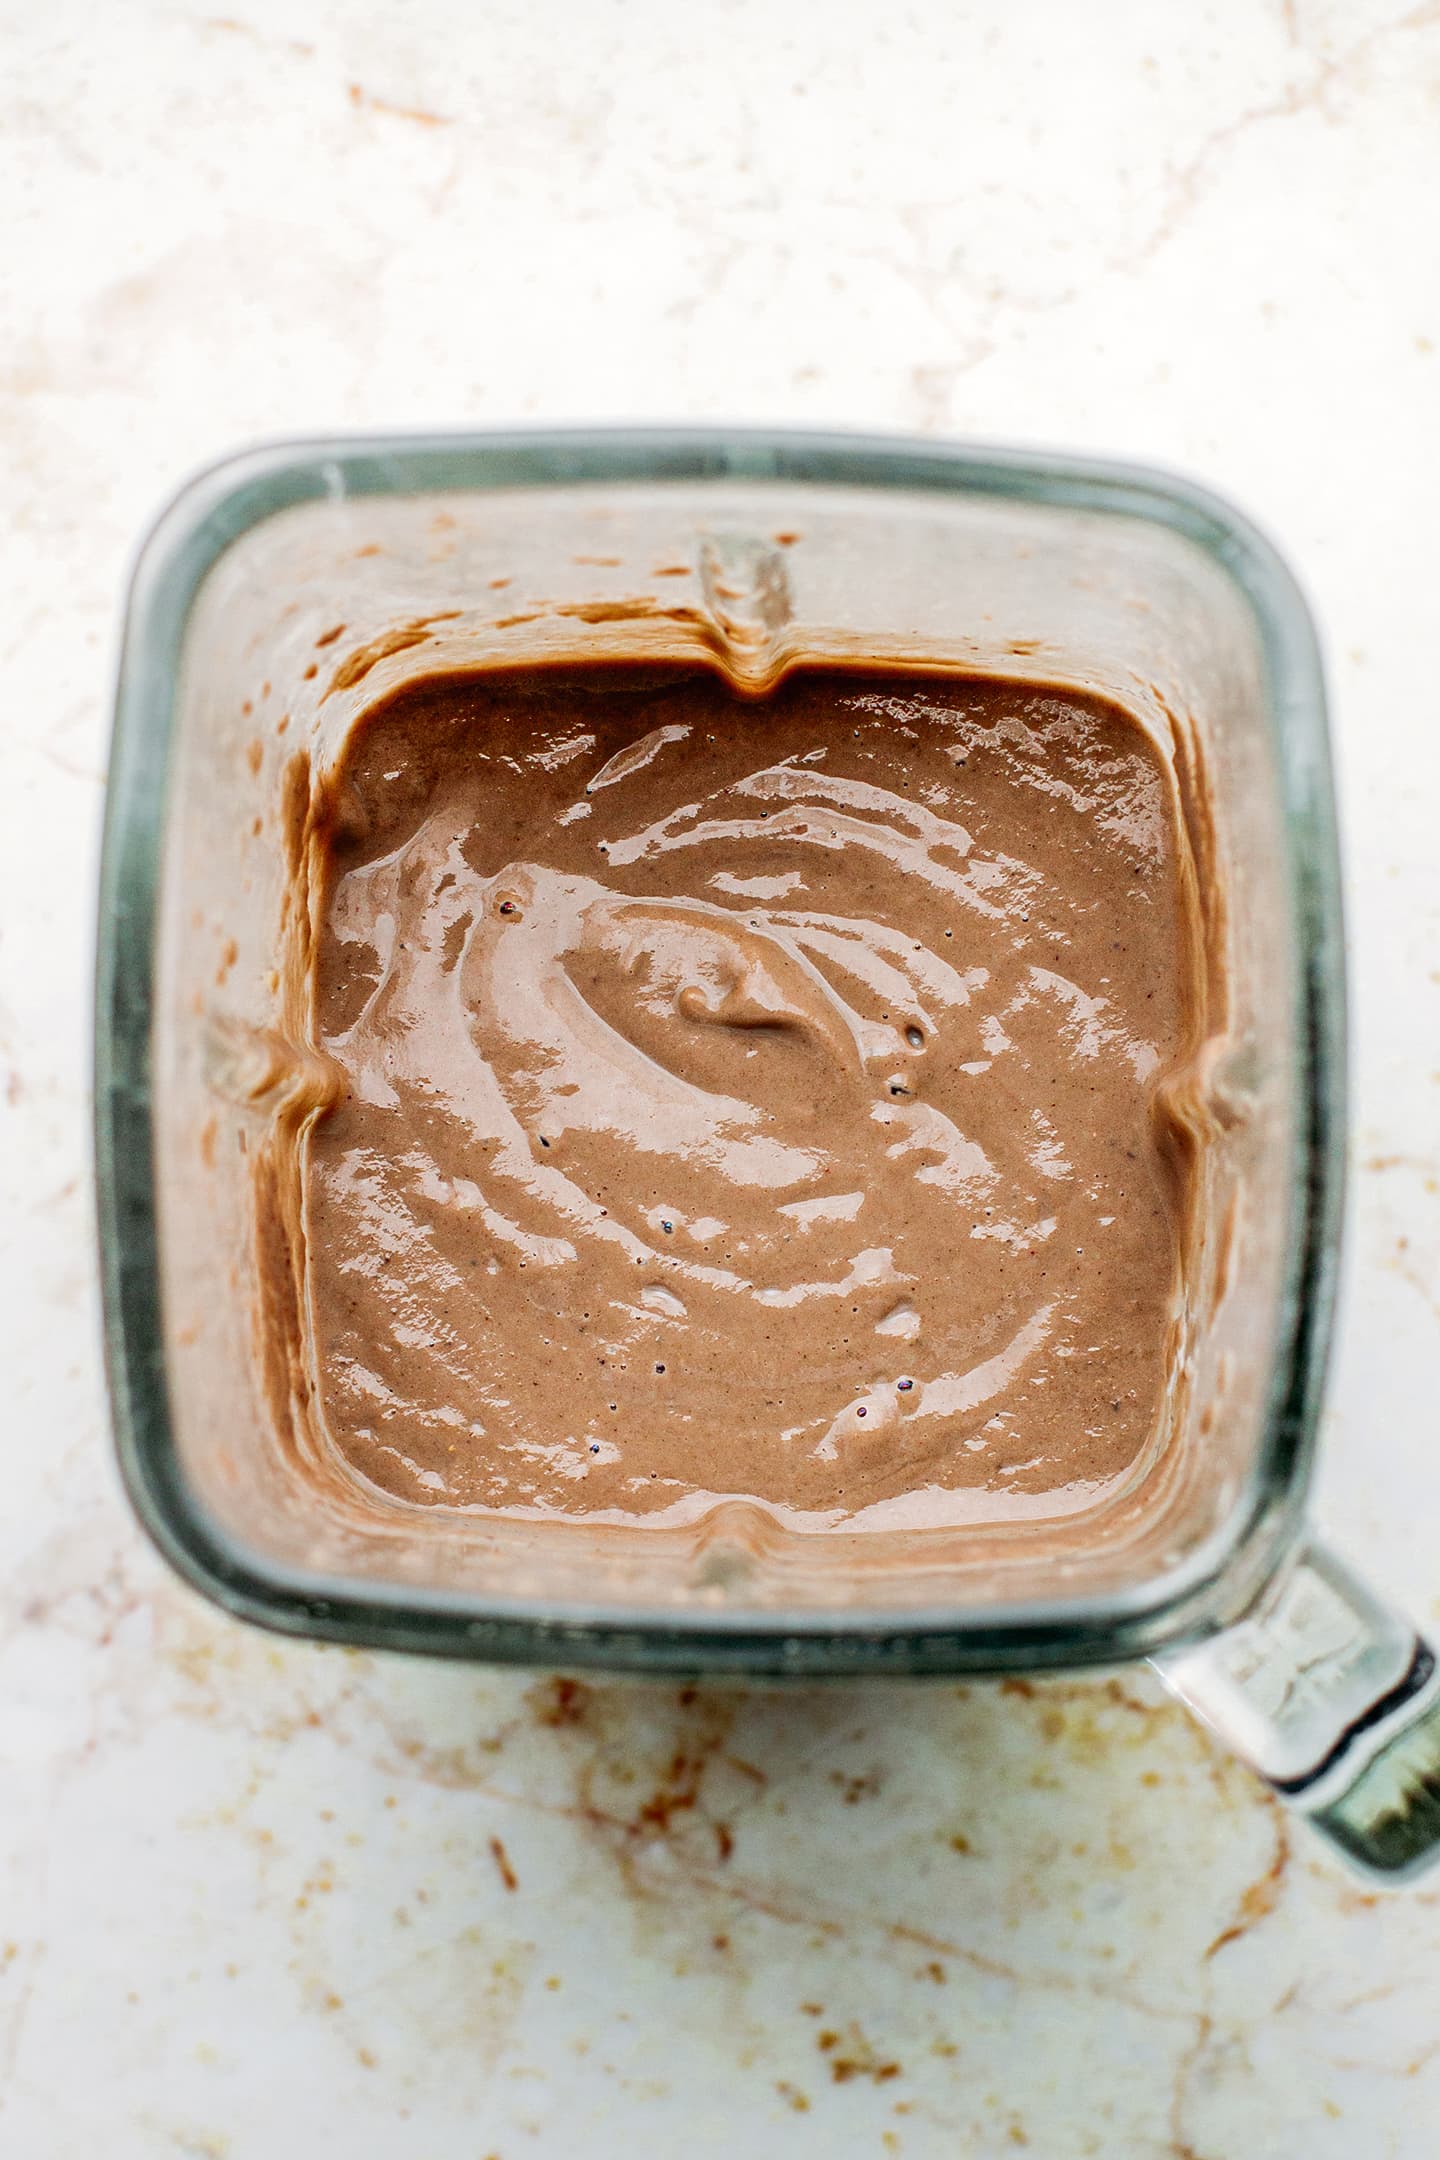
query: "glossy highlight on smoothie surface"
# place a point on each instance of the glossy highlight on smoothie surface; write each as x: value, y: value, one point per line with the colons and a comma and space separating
x: 748, y: 1096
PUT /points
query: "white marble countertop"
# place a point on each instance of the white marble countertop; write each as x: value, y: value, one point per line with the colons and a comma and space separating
x: 264, y: 1901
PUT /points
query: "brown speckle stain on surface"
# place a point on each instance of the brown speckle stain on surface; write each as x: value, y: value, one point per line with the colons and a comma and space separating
x: 254, y: 754
x: 854, y: 1787
x: 560, y: 1701
x: 1259, y: 1898
x: 234, y: 28
x: 502, y: 1864
x: 677, y: 1792
x: 366, y: 101
x: 850, y: 2055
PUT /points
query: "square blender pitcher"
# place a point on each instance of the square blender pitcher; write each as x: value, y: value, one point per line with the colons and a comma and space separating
x: 287, y: 591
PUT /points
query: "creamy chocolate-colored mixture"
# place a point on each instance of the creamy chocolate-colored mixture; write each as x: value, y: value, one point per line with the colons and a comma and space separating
x: 752, y: 1097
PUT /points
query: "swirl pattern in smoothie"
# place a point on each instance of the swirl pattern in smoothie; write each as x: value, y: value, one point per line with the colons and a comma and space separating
x: 748, y: 1097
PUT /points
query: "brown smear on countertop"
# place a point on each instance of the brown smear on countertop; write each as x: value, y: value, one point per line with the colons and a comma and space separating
x: 786, y: 1098
x: 503, y: 1865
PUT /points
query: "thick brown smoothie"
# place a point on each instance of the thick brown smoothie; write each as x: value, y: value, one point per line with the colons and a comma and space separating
x: 748, y: 1097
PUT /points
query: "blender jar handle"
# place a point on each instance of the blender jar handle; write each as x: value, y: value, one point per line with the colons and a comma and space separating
x: 1332, y: 1697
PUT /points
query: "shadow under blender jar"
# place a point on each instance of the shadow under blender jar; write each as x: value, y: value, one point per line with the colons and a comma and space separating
x: 284, y: 592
